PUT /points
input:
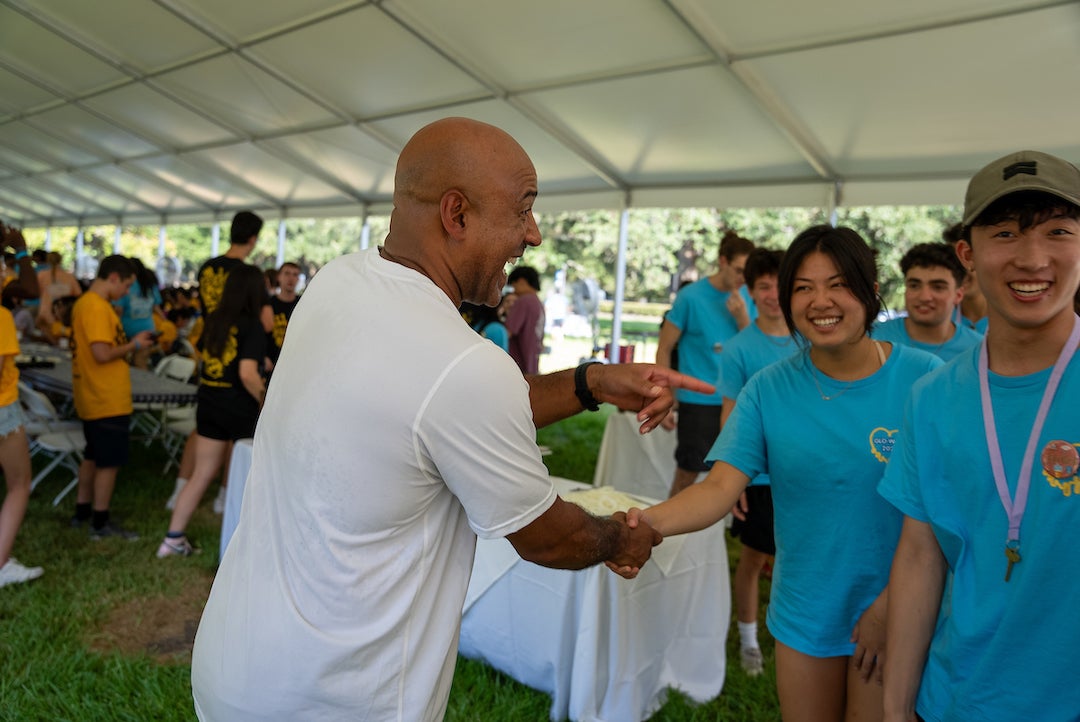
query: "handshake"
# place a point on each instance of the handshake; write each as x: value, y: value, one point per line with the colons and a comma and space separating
x: 635, y: 543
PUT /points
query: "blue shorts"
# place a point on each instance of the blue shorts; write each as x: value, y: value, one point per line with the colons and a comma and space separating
x: 11, y: 418
x: 107, y: 441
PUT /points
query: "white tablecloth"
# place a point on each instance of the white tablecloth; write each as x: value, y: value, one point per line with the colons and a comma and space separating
x: 239, y: 465
x: 603, y: 647
x: 641, y: 465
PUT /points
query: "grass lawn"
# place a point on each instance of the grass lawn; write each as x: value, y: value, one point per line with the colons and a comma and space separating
x: 106, y: 633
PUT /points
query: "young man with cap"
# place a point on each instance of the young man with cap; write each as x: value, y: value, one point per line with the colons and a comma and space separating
x: 986, y: 473
x: 933, y: 280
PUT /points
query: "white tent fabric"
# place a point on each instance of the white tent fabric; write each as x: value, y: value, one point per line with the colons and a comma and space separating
x: 187, y: 110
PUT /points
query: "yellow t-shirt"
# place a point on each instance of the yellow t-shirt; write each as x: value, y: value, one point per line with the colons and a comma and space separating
x: 9, y: 349
x: 101, y: 390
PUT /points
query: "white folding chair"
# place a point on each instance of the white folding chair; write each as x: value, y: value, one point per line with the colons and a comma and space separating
x: 62, y: 441
x: 179, y: 423
x: 148, y: 418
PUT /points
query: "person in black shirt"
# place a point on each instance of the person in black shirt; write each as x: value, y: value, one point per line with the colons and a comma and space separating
x: 231, y: 389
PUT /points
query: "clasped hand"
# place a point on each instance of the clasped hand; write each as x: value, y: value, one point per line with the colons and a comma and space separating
x: 638, y: 540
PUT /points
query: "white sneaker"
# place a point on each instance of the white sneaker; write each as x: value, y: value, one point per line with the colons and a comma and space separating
x: 15, y: 573
x: 752, y: 662
x: 171, y: 503
x: 219, y: 502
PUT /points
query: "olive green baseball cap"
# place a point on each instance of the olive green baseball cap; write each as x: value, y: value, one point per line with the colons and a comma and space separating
x: 1027, y: 170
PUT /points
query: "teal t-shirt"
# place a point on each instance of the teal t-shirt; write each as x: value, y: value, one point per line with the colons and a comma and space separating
x: 1003, y: 651
x: 835, y: 535
x: 747, y: 353
x: 895, y: 331
x: 700, y: 313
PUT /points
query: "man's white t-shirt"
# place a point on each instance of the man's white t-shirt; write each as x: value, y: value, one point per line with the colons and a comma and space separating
x: 391, y: 436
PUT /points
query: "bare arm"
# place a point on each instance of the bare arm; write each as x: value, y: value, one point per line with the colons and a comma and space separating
x: 250, y: 378
x: 644, y: 388
x: 567, y: 537
x: 266, y: 316
x: 698, y: 505
x: 916, y: 581
x: 669, y: 338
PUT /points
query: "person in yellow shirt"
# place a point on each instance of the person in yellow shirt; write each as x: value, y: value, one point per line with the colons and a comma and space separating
x: 14, y: 448
x: 101, y: 383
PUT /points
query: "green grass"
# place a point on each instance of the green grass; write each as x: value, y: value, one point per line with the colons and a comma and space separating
x: 91, y: 640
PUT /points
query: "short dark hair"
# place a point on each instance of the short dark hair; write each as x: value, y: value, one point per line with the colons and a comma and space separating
x: 245, y: 224
x: 115, y: 264
x: 528, y: 273
x: 39, y: 256
x: 1027, y: 208
x: 732, y: 244
x: 761, y: 262
x: 853, y: 258
x: 928, y: 255
x: 953, y: 234
x: 289, y: 264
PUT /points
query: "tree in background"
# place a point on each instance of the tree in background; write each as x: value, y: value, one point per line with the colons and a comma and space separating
x: 583, y: 243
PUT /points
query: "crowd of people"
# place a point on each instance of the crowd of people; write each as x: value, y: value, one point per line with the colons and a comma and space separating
x: 900, y: 589
x: 919, y: 549
x: 232, y: 323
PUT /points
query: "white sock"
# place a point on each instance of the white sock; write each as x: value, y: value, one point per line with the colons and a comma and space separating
x: 748, y: 635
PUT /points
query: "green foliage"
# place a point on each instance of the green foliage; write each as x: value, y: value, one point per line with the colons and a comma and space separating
x: 58, y: 660
x: 582, y: 243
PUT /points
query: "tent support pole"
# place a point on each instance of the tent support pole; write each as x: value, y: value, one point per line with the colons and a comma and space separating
x: 620, y: 284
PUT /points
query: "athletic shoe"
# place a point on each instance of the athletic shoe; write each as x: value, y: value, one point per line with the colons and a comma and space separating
x: 219, y: 502
x: 77, y: 523
x: 15, y: 573
x: 112, y: 530
x: 175, y: 548
x: 752, y: 662
x: 171, y: 503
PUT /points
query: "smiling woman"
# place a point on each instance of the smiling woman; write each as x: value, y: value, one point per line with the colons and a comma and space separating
x: 822, y: 424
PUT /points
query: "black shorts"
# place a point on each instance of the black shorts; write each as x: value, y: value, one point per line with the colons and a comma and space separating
x: 757, y: 531
x: 698, y: 427
x: 107, y: 441
x: 224, y: 422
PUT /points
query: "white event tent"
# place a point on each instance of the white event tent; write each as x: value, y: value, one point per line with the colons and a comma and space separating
x: 170, y: 111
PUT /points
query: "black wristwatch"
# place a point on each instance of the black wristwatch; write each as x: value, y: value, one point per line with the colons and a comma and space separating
x: 581, y: 387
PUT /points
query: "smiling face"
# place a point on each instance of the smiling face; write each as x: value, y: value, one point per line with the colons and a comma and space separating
x: 930, y: 295
x: 1029, y: 277
x: 766, y: 296
x: 823, y: 308
x: 499, y: 227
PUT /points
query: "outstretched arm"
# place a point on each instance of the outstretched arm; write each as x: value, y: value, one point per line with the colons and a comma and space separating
x: 568, y: 537
x: 644, y: 388
x: 697, y: 506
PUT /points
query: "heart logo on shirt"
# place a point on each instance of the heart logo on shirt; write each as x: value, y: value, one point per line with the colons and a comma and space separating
x: 881, y: 443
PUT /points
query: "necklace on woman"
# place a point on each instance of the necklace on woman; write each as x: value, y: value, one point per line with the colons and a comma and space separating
x: 829, y: 397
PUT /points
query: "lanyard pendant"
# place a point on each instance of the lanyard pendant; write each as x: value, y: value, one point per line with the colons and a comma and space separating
x: 1012, y: 553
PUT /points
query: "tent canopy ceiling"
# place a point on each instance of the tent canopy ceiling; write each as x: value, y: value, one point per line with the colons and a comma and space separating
x: 187, y: 110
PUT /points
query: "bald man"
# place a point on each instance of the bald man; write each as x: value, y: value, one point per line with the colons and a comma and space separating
x: 393, y: 436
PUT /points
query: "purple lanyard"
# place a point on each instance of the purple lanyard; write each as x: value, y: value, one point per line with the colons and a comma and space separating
x: 1015, y: 508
